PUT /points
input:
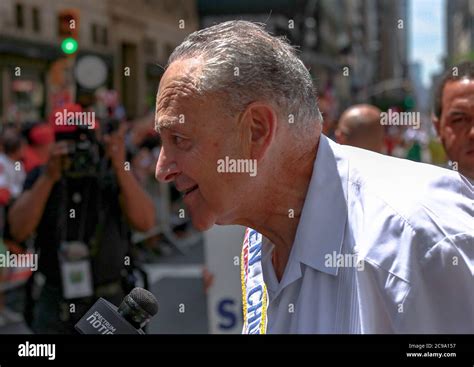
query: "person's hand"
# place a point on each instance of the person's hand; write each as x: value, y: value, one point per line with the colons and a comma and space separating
x: 208, y: 279
x: 115, y: 147
x: 57, y: 156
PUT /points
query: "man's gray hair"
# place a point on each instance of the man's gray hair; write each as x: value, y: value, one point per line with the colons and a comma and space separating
x: 246, y: 63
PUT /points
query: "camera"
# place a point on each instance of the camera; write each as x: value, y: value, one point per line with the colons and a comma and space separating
x: 83, y: 152
x: 84, y: 149
x: 109, y: 126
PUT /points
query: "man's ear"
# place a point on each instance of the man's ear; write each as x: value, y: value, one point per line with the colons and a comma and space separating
x: 436, y: 123
x: 340, y: 137
x: 259, y: 121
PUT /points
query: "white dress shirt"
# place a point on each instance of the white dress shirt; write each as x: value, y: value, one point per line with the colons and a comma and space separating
x: 405, y: 232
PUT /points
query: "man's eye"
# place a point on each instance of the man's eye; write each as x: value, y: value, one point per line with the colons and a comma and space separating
x: 178, y: 140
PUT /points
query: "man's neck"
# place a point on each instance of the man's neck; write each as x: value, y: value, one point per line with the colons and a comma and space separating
x: 279, y: 210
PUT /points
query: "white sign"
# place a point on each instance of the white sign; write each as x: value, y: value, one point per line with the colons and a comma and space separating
x: 90, y: 72
x: 223, y: 246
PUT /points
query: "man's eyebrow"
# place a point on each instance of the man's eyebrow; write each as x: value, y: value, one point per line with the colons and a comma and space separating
x: 456, y: 112
x: 165, y: 123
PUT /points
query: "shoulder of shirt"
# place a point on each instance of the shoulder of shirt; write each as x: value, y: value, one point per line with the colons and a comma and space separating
x: 411, y: 189
x: 405, y: 198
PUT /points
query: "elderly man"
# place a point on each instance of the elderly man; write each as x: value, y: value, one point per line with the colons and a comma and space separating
x: 343, y: 240
x: 453, y: 116
x: 359, y: 126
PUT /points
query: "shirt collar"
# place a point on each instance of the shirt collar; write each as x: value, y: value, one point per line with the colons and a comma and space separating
x: 321, y: 228
x: 322, y: 222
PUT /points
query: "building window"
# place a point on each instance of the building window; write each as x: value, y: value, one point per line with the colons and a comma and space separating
x: 94, y: 34
x: 36, y: 20
x: 100, y: 35
x: 19, y: 15
x: 105, y: 36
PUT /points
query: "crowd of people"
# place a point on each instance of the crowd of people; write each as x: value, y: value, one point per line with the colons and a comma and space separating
x: 73, y: 196
x: 71, y: 213
x: 452, y: 117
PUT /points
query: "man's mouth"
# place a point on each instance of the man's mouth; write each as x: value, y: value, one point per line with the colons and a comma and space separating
x: 190, y: 190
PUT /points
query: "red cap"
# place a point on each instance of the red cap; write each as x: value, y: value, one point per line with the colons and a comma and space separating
x: 42, y: 134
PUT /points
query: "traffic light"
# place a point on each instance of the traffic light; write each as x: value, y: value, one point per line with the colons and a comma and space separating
x: 408, y: 103
x: 68, y: 30
x: 69, y: 45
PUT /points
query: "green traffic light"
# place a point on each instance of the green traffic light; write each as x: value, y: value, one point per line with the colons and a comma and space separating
x: 408, y: 103
x: 69, y: 45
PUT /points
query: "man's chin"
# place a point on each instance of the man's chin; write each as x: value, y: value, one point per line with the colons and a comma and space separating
x: 222, y: 222
x: 202, y: 223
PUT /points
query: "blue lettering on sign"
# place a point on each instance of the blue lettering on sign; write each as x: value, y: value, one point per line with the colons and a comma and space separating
x: 224, y: 309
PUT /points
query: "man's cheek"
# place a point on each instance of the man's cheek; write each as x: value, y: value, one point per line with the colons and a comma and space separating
x: 217, y: 190
x: 449, y: 139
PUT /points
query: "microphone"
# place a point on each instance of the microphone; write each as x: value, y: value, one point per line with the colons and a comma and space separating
x: 136, y: 309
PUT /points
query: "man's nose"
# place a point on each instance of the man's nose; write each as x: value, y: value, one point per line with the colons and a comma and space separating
x: 471, y: 129
x: 166, y: 169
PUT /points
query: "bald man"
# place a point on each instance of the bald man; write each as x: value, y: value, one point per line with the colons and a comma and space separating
x: 359, y: 126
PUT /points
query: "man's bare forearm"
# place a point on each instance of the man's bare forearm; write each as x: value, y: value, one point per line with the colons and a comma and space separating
x: 136, y: 203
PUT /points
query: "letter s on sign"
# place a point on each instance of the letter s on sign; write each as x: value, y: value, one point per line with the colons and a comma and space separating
x: 225, y: 310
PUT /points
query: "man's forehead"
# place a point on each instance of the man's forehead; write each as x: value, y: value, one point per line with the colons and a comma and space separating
x: 459, y: 87
x: 458, y: 93
x: 185, y: 71
x: 175, y: 90
x: 177, y: 87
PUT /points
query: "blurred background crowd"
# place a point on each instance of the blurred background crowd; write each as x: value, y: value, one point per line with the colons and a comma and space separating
x: 110, y: 64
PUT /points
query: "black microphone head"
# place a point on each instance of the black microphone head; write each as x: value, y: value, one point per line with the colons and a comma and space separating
x: 138, y: 307
x: 145, y: 299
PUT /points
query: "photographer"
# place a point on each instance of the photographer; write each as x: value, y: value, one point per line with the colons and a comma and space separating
x: 81, y: 204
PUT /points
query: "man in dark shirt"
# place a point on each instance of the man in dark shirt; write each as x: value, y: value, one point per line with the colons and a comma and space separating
x: 95, y: 211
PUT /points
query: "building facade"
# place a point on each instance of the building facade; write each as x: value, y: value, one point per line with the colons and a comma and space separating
x: 125, y: 43
x: 459, y: 31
